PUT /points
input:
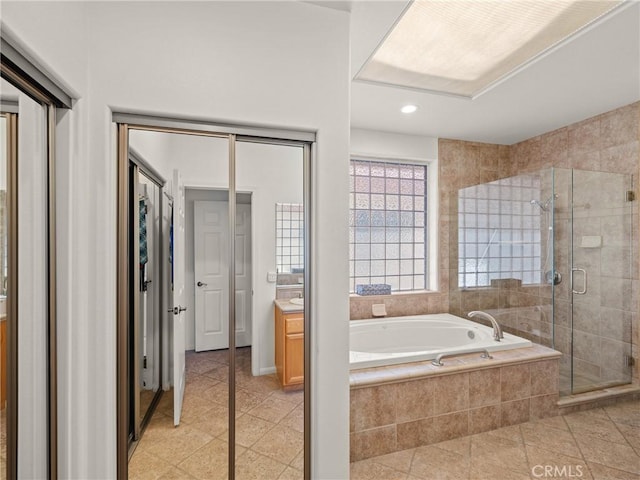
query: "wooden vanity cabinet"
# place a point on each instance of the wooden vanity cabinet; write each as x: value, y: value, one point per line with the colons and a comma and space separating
x: 290, y: 348
x: 3, y: 363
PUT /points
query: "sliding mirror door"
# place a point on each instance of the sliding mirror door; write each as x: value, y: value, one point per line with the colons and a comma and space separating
x: 8, y: 140
x: 27, y: 439
x: 230, y: 408
x: 269, y: 310
x: 178, y: 293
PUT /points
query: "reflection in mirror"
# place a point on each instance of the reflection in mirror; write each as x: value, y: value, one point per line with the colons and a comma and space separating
x: 150, y: 234
x: 270, y: 367
x: 189, y: 361
x: 290, y: 243
x: 3, y: 293
x: 249, y: 400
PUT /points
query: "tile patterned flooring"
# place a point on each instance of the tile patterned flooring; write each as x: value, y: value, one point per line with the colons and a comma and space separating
x: 3, y: 443
x: 269, y: 426
x: 599, y: 444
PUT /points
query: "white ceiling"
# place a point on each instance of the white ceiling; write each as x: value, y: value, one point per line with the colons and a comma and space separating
x: 595, y: 72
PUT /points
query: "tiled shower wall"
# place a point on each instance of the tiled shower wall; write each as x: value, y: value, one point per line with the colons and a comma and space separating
x: 609, y: 312
x: 607, y: 316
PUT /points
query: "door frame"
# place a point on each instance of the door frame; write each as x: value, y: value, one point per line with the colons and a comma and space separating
x: 245, y: 133
x: 33, y: 79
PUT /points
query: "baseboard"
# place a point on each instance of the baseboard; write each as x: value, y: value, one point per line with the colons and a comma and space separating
x: 267, y: 370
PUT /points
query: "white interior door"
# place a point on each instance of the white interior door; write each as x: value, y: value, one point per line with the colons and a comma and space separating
x: 179, y: 367
x: 211, y: 272
x: 211, y: 269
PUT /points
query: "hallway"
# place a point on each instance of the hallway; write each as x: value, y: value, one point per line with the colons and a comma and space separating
x: 269, y: 426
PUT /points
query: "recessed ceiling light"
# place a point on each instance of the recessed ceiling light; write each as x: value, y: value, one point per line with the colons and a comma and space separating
x: 408, y: 109
x: 463, y: 47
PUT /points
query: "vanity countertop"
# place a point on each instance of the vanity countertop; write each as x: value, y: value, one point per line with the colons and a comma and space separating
x: 287, y: 307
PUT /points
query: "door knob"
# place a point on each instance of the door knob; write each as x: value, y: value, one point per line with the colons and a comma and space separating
x: 177, y: 310
x: 200, y: 284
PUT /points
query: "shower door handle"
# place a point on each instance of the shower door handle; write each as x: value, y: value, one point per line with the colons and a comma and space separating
x: 584, y: 281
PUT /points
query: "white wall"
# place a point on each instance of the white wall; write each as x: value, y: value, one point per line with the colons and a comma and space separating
x: 268, y: 63
x: 418, y: 149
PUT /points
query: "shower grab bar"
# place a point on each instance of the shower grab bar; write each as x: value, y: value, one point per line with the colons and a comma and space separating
x: 438, y: 360
x: 584, y: 283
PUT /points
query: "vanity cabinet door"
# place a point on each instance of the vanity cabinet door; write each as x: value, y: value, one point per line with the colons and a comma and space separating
x: 3, y: 364
x: 294, y: 359
x: 289, y: 348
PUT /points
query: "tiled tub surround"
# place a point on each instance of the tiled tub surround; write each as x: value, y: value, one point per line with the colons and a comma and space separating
x: 405, y: 406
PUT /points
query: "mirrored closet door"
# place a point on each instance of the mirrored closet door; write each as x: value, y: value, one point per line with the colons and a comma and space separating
x: 29, y: 114
x: 227, y: 410
x: 269, y: 304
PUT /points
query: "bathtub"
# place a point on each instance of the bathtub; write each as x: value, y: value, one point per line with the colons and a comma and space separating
x: 390, y: 341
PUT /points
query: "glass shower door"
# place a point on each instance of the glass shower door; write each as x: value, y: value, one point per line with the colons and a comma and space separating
x: 600, y: 218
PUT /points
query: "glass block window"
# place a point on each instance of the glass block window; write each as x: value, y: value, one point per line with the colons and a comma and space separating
x: 387, y: 225
x: 289, y: 237
x: 499, y: 232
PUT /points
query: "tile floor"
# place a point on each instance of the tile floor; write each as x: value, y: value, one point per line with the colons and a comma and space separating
x: 3, y: 443
x: 596, y: 444
x: 269, y: 426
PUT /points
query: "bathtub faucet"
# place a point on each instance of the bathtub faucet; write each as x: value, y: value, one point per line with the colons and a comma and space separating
x: 497, y: 331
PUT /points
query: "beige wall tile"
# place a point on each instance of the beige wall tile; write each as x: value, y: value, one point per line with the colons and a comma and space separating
x: 515, y: 412
x: 584, y: 136
x: 373, y: 407
x: 619, y: 126
x: 451, y: 393
x: 515, y: 382
x: 544, y: 406
x: 484, y: 419
x: 484, y: 387
x: 413, y: 434
x: 414, y: 400
x: 544, y: 377
x: 374, y: 442
x: 449, y: 426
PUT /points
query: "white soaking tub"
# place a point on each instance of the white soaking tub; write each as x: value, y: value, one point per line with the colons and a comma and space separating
x: 394, y: 340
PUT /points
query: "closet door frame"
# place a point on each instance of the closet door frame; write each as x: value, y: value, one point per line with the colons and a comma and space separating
x: 235, y: 133
x: 141, y: 167
x: 34, y: 80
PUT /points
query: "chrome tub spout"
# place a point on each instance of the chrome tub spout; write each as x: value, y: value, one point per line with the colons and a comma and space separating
x: 497, y: 331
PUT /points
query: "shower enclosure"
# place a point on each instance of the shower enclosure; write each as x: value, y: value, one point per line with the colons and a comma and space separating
x: 550, y: 255
x: 593, y: 250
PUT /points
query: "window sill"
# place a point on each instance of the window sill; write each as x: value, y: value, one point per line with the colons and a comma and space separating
x: 398, y: 294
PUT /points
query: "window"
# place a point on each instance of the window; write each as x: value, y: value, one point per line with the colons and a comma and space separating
x: 387, y: 225
x: 499, y: 232
x: 289, y: 237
